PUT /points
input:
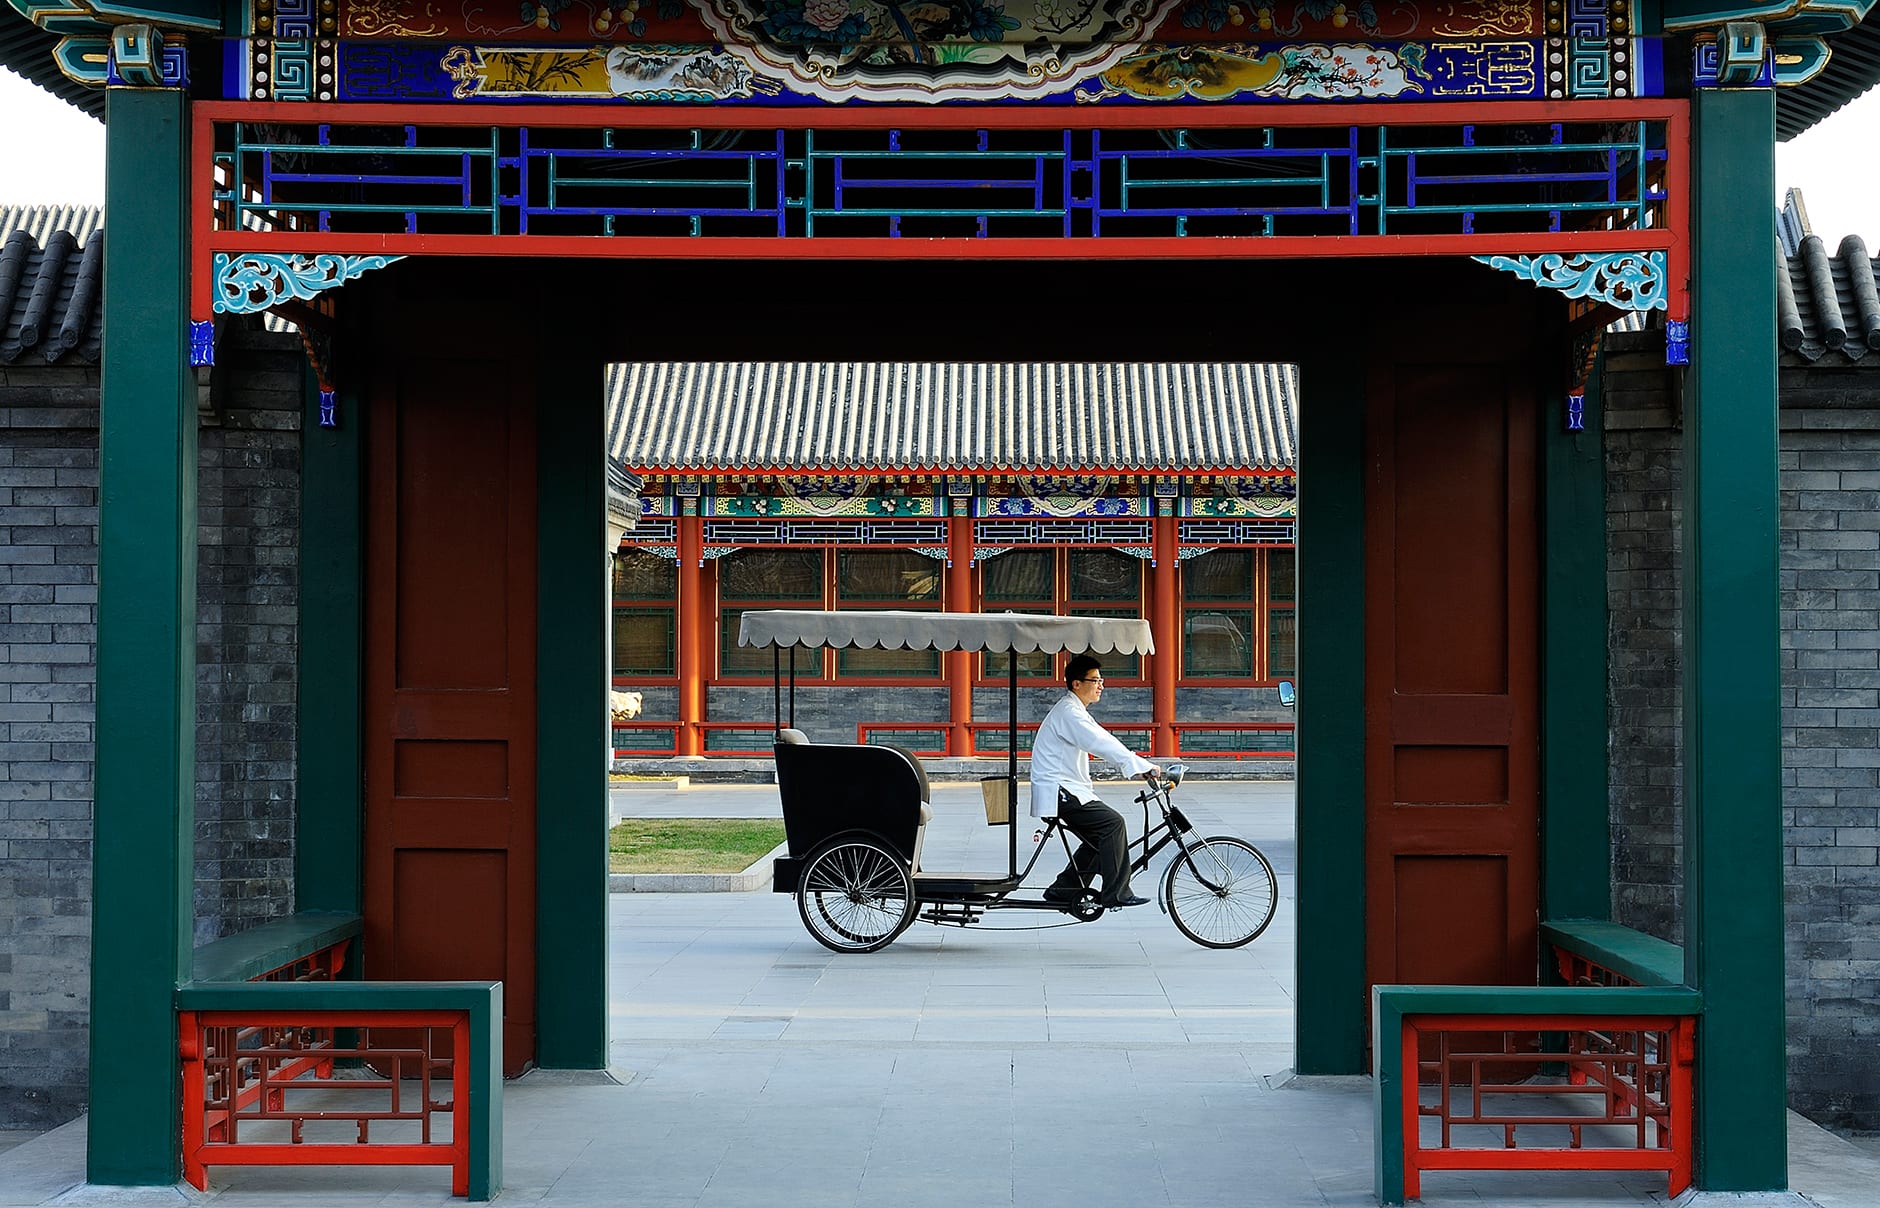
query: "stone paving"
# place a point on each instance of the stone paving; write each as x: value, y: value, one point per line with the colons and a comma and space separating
x: 1109, y: 1063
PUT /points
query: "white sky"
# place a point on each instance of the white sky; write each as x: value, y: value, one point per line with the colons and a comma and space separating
x: 50, y: 153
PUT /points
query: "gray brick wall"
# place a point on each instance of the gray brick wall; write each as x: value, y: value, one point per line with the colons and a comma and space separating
x: 48, y: 598
x: 1830, y: 480
x: 247, y: 590
x: 247, y: 594
x: 1829, y: 477
x: 1645, y: 739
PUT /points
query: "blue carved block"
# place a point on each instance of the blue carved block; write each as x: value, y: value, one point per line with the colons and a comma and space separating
x: 1738, y: 57
x: 1576, y: 411
x: 138, y: 57
x: 1677, y: 342
x: 201, y: 343
x: 329, y: 410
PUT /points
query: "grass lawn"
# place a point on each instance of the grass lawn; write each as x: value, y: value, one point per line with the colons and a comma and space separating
x: 690, y: 844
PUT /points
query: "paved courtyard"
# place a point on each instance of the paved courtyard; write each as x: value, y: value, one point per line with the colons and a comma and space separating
x: 1109, y: 1063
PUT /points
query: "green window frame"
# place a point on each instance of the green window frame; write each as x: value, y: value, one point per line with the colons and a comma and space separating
x: 1061, y: 581
x: 1282, y: 651
x: 1025, y: 581
x: 1104, y: 583
x: 759, y: 577
x: 888, y: 578
x: 646, y: 617
x: 1237, y: 613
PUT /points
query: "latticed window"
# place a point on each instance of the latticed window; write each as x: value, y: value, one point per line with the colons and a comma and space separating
x: 1022, y: 580
x: 1062, y: 582
x: 1237, y: 615
x: 888, y: 578
x: 646, y: 592
x: 1280, y: 657
x: 1104, y: 583
x: 766, y: 578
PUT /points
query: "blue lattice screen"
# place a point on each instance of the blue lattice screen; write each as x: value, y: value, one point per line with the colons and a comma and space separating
x: 873, y: 183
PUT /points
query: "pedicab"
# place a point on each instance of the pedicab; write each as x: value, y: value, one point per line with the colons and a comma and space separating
x: 855, y: 816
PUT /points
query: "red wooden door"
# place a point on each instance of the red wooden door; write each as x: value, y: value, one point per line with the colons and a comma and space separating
x: 450, y: 678
x: 1452, y: 842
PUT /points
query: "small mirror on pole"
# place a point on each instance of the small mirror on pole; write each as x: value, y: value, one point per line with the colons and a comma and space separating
x: 1286, y: 695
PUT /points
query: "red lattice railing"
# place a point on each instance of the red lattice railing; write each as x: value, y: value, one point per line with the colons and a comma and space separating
x: 276, y: 1088
x: 1484, y: 1102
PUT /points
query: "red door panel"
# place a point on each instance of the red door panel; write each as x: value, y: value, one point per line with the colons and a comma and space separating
x: 1451, y: 811
x: 450, y: 680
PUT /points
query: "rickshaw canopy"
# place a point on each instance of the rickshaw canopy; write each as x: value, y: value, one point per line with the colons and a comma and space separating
x: 900, y: 630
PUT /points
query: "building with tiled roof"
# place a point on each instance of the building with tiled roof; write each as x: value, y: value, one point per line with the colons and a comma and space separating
x: 1157, y: 490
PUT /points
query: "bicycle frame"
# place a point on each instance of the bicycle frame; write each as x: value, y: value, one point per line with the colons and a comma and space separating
x: 1174, y: 827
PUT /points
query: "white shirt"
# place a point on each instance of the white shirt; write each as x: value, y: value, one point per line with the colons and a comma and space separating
x: 1060, y: 756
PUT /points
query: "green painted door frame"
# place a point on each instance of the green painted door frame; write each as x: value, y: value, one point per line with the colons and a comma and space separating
x: 329, y: 796
x: 572, y: 740
x: 143, y: 812
x: 1733, y: 916
x: 1576, y: 848
x: 1330, y: 1015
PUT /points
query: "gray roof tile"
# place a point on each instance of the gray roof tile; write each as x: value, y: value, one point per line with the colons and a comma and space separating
x: 953, y: 416
x: 50, y: 297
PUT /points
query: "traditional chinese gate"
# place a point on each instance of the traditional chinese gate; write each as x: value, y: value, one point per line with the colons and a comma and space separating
x: 1377, y: 150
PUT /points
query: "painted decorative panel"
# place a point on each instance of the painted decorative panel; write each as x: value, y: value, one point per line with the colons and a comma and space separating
x: 1059, y: 496
x: 920, y: 51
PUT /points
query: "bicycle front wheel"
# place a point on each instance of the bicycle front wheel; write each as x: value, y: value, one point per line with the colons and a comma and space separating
x: 1221, y: 892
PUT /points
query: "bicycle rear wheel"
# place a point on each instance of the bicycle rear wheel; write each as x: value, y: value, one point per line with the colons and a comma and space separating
x: 855, y: 895
x: 1221, y: 892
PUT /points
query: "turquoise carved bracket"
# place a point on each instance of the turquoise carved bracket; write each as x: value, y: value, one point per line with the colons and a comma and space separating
x: 1622, y: 280
x: 252, y: 282
x: 1625, y: 280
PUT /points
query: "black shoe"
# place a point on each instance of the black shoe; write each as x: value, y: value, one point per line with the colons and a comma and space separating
x: 1062, y: 897
x: 1127, y: 900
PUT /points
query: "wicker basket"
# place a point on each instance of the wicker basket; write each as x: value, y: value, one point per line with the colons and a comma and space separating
x: 996, y: 791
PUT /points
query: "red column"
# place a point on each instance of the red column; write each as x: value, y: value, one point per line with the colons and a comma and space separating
x: 694, y: 619
x: 960, y: 662
x: 1165, y: 623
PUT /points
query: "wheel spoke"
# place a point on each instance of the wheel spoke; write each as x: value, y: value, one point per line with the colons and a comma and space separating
x: 855, y: 897
x: 1221, y: 892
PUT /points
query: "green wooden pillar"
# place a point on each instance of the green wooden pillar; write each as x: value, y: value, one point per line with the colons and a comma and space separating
x: 143, y: 811
x: 1576, y: 881
x: 329, y: 799
x: 571, y: 708
x: 1330, y: 1017
x: 1733, y: 922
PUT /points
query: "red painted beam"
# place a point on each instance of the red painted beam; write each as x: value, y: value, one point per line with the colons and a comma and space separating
x: 938, y: 117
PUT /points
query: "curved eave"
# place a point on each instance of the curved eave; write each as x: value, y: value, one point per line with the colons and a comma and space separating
x: 27, y: 50
x: 1853, y: 69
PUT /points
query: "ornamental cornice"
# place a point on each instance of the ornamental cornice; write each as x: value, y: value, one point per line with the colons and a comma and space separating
x: 106, y: 42
x: 84, y: 17
x: 1789, y: 18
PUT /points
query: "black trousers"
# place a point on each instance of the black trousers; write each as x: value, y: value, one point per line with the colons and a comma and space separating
x: 1105, y: 847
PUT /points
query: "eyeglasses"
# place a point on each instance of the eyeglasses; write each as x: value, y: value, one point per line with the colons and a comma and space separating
x: 1092, y: 679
